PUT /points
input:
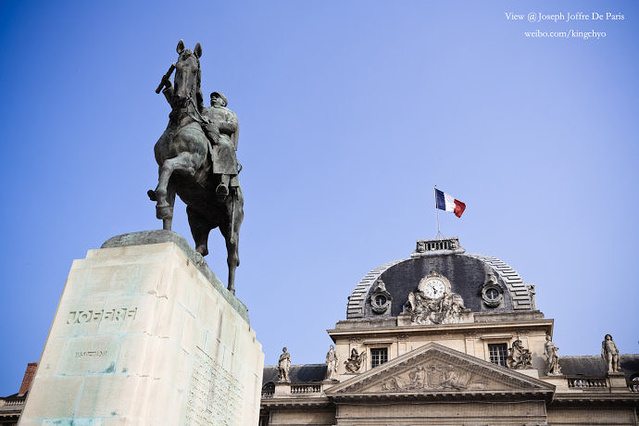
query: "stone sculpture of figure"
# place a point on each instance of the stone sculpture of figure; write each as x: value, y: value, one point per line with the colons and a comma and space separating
x: 355, y: 362
x: 610, y: 354
x: 284, y: 365
x: 223, y: 132
x: 331, y: 364
x: 418, y: 378
x: 449, y: 309
x: 518, y: 356
x: 550, y: 352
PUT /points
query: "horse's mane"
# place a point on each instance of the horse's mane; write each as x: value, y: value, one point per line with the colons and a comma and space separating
x: 199, y: 98
x: 198, y: 93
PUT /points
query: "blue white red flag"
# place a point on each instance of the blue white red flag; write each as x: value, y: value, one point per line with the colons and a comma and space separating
x: 446, y: 202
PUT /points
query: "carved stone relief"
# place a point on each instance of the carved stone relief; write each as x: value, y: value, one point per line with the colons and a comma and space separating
x: 433, y: 377
x: 519, y: 357
x: 435, y: 303
x: 355, y: 362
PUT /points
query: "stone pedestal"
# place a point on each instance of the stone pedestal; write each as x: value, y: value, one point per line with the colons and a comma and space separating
x: 530, y: 372
x: 145, y: 334
x: 282, y: 388
x: 618, y: 382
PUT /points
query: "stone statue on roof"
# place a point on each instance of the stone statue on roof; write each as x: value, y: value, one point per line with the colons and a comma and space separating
x: 610, y: 354
x: 331, y: 364
x: 552, y: 358
x: 283, y: 366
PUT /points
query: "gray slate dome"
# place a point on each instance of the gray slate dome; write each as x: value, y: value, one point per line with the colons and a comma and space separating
x: 468, y: 274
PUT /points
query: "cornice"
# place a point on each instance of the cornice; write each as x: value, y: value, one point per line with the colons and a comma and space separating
x: 439, y: 328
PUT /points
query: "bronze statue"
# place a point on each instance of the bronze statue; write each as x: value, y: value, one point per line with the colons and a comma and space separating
x: 196, y: 155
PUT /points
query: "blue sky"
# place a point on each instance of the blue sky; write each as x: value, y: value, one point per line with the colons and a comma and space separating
x: 349, y: 113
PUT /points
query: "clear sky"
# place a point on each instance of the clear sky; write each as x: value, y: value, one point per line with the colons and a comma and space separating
x: 350, y: 112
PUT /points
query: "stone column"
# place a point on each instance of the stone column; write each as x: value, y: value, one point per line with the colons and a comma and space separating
x: 146, y: 334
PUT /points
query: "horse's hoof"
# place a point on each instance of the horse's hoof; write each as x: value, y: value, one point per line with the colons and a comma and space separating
x: 163, y: 212
x: 151, y: 194
x: 203, y: 250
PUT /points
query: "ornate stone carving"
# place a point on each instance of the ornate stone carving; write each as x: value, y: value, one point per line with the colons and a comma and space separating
x: 283, y: 366
x: 610, y: 354
x: 552, y: 359
x: 432, y: 377
x: 531, y: 291
x: 356, y: 361
x: 491, y: 292
x: 432, y: 369
x: 331, y: 364
x: 519, y: 357
x: 434, y: 303
x: 380, y: 298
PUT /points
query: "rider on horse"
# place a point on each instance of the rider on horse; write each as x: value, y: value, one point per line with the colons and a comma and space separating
x: 223, y: 123
x: 221, y: 128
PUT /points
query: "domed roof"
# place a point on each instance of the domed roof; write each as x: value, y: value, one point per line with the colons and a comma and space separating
x: 485, y: 283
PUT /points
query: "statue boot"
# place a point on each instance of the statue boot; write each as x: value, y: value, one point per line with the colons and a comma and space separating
x: 222, y: 190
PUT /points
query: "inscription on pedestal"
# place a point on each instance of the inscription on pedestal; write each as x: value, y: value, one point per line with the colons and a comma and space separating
x: 84, y: 354
x: 117, y: 314
x: 214, y: 394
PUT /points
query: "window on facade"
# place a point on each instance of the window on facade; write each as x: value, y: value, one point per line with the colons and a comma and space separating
x: 498, y: 353
x: 378, y: 356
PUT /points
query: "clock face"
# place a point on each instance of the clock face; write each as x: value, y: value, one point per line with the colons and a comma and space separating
x: 434, y: 288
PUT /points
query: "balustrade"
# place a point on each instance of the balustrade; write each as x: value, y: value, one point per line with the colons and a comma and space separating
x: 300, y: 389
x: 587, y: 382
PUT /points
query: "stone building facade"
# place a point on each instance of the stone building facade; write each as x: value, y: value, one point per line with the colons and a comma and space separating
x: 11, y: 406
x: 449, y: 338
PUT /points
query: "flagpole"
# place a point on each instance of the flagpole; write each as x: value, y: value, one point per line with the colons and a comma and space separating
x: 439, y: 234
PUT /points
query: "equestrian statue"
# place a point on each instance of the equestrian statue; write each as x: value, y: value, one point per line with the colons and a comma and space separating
x: 196, y: 158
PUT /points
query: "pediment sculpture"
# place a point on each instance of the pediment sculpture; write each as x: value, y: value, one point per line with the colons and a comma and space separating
x: 435, y: 303
x: 433, y: 377
x: 433, y: 369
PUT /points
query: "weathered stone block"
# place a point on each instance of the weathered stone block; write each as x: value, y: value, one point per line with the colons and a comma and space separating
x: 144, y: 336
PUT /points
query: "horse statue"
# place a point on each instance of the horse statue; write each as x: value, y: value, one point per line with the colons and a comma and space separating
x: 186, y: 153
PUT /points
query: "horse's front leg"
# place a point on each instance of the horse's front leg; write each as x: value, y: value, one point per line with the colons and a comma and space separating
x: 164, y: 207
x: 163, y: 194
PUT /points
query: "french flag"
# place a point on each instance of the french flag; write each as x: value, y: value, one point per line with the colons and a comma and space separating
x: 446, y: 202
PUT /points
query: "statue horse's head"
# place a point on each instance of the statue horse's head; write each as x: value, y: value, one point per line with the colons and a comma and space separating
x: 188, y: 76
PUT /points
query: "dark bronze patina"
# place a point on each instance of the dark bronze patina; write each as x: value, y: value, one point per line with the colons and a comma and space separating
x: 196, y: 155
